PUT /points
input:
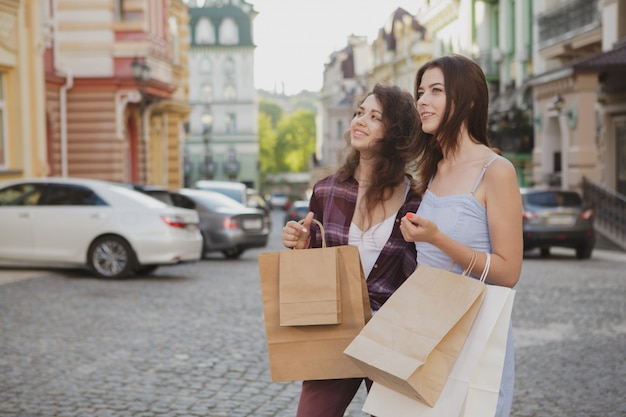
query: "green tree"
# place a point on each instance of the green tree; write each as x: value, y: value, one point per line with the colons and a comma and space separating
x: 267, y: 144
x: 273, y: 110
x: 295, y: 142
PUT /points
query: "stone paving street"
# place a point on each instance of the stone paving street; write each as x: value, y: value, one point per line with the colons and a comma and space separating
x: 189, y: 341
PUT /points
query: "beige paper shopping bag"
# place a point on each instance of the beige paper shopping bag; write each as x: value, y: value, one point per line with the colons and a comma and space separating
x: 412, y: 342
x: 472, y: 387
x: 309, y: 285
x: 315, y: 352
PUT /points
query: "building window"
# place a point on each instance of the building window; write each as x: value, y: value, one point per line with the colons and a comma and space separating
x: 205, y: 33
x: 206, y: 94
x: 229, y: 67
x: 174, y: 39
x: 229, y: 33
x: 231, y: 123
x: 230, y: 92
x: 3, y: 123
x: 205, y: 66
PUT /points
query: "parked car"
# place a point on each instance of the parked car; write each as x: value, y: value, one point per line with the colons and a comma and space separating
x: 227, y: 225
x: 298, y: 211
x: 279, y: 201
x: 560, y: 218
x: 112, y: 230
x: 235, y: 190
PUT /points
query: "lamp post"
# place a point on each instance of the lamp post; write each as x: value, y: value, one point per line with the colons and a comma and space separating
x: 141, y: 74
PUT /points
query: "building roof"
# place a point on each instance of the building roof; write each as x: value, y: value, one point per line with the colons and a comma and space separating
x: 397, y: 18
x: 242, y: 15
x: 607, y: 61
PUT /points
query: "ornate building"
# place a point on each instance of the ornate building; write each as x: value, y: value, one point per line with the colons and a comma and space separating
x: 222, y: 135
x: 116, y: 89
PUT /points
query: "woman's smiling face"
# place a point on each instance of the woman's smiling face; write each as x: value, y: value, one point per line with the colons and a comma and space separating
x: 367, y: 124
x: 431, y: 99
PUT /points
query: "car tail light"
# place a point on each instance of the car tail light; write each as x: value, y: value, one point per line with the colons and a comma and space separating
x: 293, y: 215
x: 230, y: 223
x: 587, y: 214
x: 174, y: 221
x: 529, y: 215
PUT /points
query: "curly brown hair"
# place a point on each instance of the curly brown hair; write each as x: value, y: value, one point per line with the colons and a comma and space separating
x: 395, y: 153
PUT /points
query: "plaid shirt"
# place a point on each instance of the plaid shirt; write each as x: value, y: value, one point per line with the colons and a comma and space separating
x: 333, y: 202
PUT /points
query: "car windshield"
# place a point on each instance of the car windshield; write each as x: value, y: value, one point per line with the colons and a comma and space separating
x: 215, y: 201
x: 554, y: 199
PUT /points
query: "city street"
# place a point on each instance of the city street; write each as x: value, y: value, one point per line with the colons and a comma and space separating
x: 190, y: 341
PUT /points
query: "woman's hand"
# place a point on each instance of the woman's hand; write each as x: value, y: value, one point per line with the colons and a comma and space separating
x: 296, y: 235
x: 416, y: 228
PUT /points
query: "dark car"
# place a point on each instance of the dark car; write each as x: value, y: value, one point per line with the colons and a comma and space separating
x: 558, y: 218
x: 298, y: 211
x: 227, y: 225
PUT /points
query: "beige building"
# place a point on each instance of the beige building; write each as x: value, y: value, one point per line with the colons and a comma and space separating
x: 22, y: 92
x: 104, y: 120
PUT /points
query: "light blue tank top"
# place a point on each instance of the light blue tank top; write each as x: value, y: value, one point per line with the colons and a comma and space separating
x: 464, y: 219
x: 460, y: 217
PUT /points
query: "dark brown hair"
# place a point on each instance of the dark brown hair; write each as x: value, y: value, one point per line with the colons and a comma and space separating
x: 466, y: 90
x: 394, y: 152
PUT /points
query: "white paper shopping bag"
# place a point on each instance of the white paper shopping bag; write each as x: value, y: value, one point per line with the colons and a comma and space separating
x: 492, y: 320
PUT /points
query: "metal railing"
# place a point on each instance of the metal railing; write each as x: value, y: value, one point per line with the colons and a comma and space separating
x: 609, y: 210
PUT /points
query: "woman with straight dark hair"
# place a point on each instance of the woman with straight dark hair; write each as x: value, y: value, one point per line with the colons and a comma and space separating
x: 361, y: 205
x: 471, y: 199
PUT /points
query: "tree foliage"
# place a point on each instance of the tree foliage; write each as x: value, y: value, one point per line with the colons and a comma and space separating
x: 286, y: 141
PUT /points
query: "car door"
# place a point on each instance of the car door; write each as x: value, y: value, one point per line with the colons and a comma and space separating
x: 16, y: 222
x: 66, y: 221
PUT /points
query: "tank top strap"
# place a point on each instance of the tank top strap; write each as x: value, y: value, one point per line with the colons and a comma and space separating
x: 482, y: 173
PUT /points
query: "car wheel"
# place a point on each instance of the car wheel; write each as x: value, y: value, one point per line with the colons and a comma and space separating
x: 146, y: 270
x: 232, y: 253
x: 545, y: 252
x: 111, y: 257
x: 584, y: 252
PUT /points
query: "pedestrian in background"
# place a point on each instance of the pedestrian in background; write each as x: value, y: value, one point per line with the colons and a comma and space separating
x: 361, y: 205
x: 471, y: 199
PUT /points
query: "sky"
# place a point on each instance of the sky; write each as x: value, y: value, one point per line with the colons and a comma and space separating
x: 295, y: 38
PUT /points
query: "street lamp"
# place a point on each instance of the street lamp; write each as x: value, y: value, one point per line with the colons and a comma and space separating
x: 141, y: 74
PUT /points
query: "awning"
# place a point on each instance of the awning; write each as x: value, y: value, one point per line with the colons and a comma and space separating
x: 608, y: 61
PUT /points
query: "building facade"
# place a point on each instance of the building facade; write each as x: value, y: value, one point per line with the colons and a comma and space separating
x: 22, y: 91
x: 116, y: 96
x: 222, y: 136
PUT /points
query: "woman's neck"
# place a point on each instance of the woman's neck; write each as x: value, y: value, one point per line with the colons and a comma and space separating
x: 363, y: 172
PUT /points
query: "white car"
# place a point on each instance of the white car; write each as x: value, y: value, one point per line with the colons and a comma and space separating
x: 113, y: 230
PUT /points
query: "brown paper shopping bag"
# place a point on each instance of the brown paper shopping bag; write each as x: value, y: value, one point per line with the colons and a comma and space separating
x: 309, y: 283
x: 412, y: 342
x: 315, y: 352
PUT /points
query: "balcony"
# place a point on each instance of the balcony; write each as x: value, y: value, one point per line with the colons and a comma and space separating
x: 572, y: 22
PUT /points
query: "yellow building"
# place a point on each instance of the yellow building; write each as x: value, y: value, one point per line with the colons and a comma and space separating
x: 22, y: 121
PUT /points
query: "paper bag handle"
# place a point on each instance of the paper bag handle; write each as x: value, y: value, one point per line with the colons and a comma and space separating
x: 321, y: 230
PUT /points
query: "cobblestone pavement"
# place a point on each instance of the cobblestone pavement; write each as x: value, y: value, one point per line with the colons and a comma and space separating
x: 189, y: 341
